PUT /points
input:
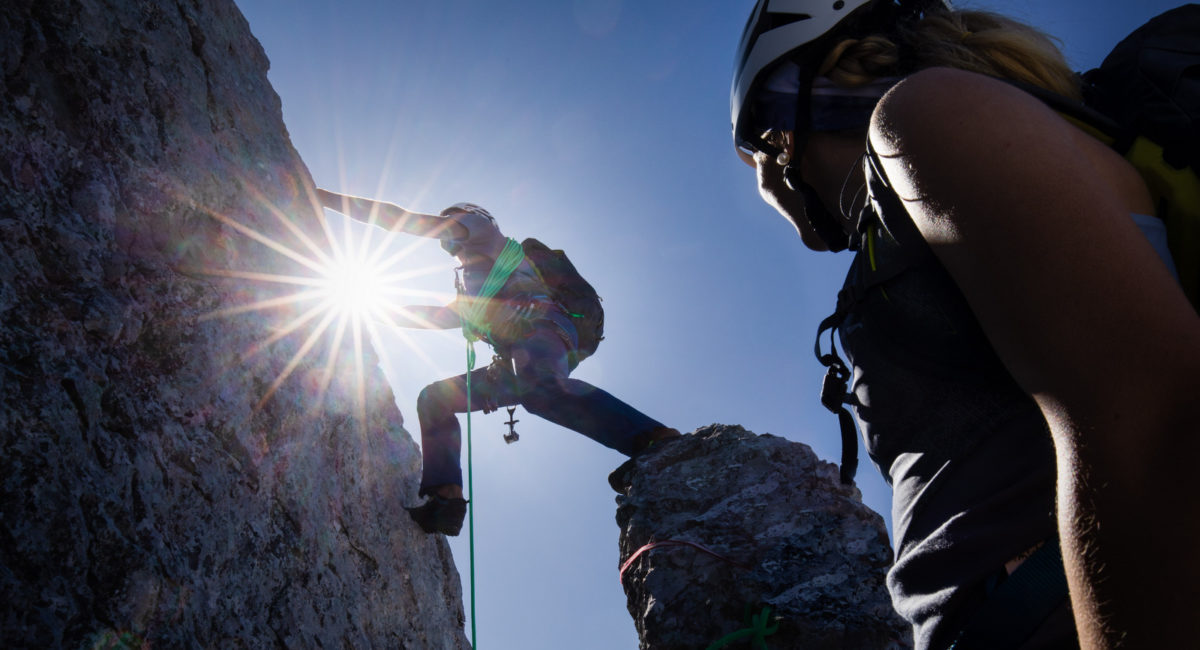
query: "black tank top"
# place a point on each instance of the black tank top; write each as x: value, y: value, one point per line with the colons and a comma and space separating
x: 966, y: 451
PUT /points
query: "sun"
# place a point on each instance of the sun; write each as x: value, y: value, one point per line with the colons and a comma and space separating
x: 349, y: 292
x: 355, y: 286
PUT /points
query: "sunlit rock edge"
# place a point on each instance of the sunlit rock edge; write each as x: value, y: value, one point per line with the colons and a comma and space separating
x: 148, y: 492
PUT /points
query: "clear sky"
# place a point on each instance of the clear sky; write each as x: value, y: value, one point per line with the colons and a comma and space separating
x: 600, y: 127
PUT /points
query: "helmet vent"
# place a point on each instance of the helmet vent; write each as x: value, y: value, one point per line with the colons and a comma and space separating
x: 837, y: 6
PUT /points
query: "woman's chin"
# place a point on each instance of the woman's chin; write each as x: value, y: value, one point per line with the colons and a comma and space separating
x: 807, y: 235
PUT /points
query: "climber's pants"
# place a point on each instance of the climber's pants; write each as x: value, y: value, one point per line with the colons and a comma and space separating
x: 540, y: 384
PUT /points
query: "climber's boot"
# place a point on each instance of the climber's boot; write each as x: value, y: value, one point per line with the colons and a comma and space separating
x: 440, y: 515
x: 643, y: 444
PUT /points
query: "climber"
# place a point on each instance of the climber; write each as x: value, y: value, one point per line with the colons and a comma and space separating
x: 1022, y: 361
x: 535, y: 340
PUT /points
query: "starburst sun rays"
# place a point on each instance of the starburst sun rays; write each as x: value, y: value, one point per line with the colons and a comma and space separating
x: 348, y: 289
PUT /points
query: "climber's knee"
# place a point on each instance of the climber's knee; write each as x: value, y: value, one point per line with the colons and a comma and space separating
x: 435, y: 398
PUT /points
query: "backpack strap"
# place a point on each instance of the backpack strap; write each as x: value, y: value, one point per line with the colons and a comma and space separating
x: 869, y: 272
x: 1173, y: 184
x: 833, y: 390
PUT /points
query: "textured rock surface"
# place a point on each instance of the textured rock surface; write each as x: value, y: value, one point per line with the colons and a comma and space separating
x: 144, y: 500
x: 806, y: 545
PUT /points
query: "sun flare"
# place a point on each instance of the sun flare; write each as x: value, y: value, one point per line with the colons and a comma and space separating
x: 355, y: 286
x: 349, y: 292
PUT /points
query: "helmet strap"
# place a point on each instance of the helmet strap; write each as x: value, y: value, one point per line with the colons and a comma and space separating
x: 824, y: 224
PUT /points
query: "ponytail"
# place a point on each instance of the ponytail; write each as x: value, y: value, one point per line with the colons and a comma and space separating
x: 976, y: 41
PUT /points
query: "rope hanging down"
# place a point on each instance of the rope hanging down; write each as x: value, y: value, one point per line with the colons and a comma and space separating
x: 472, y: 316
x: 470, y: 484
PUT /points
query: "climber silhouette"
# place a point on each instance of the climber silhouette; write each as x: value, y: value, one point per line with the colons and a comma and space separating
x: 535, y: 340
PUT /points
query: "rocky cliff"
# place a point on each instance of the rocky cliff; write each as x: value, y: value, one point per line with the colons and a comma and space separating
x: 174, y: 472
x: 729, y: 539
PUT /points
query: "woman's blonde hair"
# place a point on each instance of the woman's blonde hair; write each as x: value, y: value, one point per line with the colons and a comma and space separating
x: 977, y: 41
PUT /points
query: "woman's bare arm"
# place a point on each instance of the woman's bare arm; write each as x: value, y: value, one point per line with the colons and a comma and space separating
x: 1031, y: 218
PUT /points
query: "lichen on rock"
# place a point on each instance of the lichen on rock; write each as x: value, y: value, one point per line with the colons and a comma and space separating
x: 725, y: 525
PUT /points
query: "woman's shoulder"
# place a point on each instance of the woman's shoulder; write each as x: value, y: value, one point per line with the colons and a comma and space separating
x: 954, y: 127
x: 956, y: 106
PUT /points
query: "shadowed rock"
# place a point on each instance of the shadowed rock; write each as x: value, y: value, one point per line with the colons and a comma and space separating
x: 727, y: 526
x: 149, y: 496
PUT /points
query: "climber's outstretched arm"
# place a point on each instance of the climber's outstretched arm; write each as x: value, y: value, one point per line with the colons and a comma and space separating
x: 391, y: 216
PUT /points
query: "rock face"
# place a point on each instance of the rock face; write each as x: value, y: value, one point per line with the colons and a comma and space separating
x: 726, y: 527
x: 174, y: 472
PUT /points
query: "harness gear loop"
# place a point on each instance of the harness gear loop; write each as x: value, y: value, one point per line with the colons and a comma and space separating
x: 499, y: 372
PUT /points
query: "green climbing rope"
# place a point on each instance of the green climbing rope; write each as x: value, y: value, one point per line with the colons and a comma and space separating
x: 758, y: 631
x: 470, y: 486
x: 472, y: 316
x: 473, y: 309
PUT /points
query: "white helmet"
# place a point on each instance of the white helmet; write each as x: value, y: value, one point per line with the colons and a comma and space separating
x: 468, y: 207
x: 776, y: 31
x: 453, y: 246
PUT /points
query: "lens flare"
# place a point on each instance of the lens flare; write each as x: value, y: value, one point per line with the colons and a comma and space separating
x: 347, y: 288
x: 355, y: 287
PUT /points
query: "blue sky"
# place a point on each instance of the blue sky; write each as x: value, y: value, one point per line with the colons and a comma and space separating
x: 600, y: 127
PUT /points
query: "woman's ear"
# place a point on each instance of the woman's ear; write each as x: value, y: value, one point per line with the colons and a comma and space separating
x: 786, y: 142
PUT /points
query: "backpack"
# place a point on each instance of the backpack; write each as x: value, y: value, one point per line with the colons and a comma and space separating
x: 1144, y: 102
x: 575, y: 294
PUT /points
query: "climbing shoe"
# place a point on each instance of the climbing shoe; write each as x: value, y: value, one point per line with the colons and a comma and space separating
x: 643, y: 444
x: 621, y: 477
x: 440, y: 515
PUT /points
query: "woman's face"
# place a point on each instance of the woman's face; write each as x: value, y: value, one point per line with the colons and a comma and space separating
x: 829, y: 164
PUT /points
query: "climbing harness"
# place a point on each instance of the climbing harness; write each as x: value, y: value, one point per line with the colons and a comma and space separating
x: 499, y: 372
